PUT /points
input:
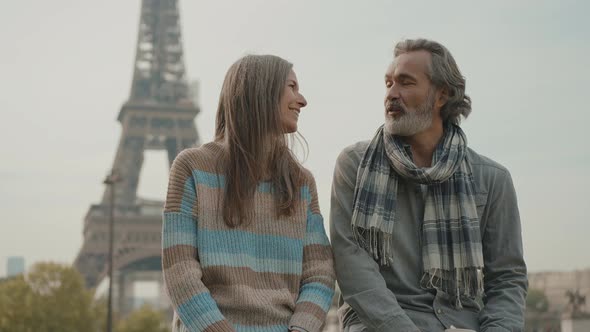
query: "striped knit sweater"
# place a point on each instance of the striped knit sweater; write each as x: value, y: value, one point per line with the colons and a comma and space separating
x: 268, y: 276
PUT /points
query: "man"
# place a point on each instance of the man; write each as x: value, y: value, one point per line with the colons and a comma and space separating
x: 426, y: 232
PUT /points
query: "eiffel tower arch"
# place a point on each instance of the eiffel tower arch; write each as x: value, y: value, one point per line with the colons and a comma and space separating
x: 159, y: 115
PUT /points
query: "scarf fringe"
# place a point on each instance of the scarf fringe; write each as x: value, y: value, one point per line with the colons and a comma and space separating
x: 376, y: 242
x: 460, y: 283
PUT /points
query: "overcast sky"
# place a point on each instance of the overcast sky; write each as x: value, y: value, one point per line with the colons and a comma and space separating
x: 66, y: 69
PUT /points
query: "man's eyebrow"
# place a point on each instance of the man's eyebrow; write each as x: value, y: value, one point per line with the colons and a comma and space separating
x: 403, y: 76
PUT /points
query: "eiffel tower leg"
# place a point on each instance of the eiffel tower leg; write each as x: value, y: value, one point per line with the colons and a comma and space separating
x: 175, y: 144
x: 127, y: 164
x: 173, y: 148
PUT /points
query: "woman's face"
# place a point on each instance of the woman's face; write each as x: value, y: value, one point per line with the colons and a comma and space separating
x: 291, y: 103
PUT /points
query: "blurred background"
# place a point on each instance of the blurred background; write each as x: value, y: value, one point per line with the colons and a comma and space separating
x: 70, y: 69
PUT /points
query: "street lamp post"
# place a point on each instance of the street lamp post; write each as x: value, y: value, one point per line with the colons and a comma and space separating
x: 110, y: 181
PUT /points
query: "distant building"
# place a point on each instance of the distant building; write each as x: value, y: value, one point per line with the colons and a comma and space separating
x: 15, y: 266
x: 556, y: 284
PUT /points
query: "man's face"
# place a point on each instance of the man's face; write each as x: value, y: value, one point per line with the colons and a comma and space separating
x: 410, y: 96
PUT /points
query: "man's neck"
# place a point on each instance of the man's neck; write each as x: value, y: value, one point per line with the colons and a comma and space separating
x: 423, y: 144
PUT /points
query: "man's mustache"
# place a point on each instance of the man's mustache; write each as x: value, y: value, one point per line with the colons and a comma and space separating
x: 395, y: 106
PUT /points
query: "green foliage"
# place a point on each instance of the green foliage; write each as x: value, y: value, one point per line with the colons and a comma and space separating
x: 51, y: 297
x: 536, y: 301
x: 15, y: 306
x: 145, y: 319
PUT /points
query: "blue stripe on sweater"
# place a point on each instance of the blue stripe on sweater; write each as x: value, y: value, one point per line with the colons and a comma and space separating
x: 178, y: 229
x: 315, y: 233
x: 305, y: 194
x: 315, y: 223
x: 212, y: 180
x: 261, y: 246
x: 189, y: 196
x: 199, y: 312
x: 317, y: 293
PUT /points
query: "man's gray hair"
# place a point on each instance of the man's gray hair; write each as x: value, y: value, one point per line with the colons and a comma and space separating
x: 443, y: 73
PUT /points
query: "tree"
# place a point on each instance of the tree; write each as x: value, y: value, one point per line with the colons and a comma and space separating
x: 537, y: 301
x: 14, y: 309
x: 51, y: 297
x: 145, y: 319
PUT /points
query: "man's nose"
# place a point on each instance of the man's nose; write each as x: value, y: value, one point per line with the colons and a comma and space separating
x: 392, y: 92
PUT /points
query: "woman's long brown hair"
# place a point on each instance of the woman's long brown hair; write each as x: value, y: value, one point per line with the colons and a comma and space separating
x: 249, y: 124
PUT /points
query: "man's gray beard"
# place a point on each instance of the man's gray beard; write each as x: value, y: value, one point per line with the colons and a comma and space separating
x: 412, y: 122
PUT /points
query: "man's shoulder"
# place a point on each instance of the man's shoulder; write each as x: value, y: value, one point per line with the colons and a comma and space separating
x: 485, y: 163
x: 349, y: 160
x: 353, y: 152
x: 487, y: 173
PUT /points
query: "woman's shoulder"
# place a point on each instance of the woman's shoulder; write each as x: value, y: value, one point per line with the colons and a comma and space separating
x: 205, y: 157
x: 307, y: 175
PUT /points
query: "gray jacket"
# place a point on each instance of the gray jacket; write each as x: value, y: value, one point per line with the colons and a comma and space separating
x: 390, y: 298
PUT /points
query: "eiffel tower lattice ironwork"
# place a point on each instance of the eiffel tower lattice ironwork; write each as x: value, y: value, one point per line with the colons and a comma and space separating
x: 158, y: 115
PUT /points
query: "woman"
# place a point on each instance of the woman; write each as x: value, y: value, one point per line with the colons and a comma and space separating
x: 244, y: 246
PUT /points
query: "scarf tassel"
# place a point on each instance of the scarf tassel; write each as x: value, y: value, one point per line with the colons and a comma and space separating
x: 376, y: 242
x: 457, y: 284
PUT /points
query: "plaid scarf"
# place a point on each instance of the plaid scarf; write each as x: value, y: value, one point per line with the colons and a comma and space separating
x: 451, y: 241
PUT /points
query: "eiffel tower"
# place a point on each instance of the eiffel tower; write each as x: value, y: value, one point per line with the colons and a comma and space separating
x: 159, y: 115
